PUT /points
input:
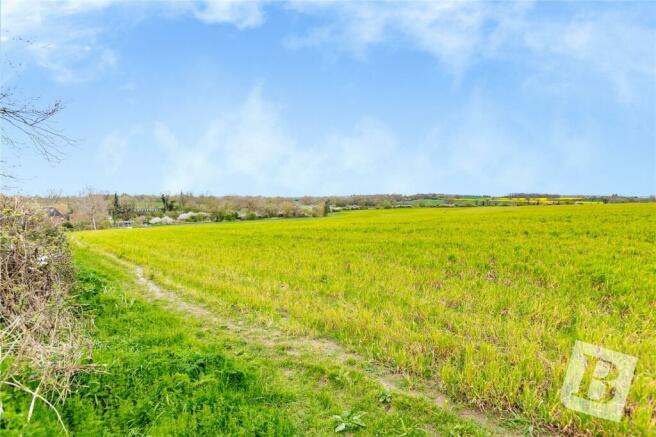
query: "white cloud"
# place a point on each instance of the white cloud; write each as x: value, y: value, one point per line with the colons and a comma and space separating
x: 251, y: 151
x: 49, y: 34
x: 20, y: 18
x: 617, y: 45
x: 612, y: 41
x: 449, y: 31
x: 65, y: 37
x: 114, y: 148
x: 479, y: 149
x: 486, y: 149
x: 364, y: 158
x: 72, y: 57
x: 234, y: 145
x: 243, y: 14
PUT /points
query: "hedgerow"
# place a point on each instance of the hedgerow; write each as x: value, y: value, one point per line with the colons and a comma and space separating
x: 42, y: 341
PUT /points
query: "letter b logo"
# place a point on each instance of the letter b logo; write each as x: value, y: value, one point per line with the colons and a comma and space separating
x: 597, y: 381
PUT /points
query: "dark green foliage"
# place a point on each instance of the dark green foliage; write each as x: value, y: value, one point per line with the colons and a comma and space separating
x: 121, y: 211
x: 217, y: 216
x: 230, y: 217
x: 349, y: 421
x: 167, y: 203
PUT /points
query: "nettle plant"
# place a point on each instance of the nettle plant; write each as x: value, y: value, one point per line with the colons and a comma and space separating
x: 349, y: 421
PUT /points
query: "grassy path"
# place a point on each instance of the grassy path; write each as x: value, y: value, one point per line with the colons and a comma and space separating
x: 166, y: 367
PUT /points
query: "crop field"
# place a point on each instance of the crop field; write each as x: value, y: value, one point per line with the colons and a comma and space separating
x: 486, y: 301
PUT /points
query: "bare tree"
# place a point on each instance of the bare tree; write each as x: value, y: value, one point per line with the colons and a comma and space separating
x: 27, y: 124
x: 92, y: 207
x: 53, y: 196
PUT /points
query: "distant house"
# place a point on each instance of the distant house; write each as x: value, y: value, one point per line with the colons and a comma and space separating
x: 56, y: 216
x: 123, y: 224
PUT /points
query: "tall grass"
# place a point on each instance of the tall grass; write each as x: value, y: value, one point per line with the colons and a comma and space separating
x: 489, y: 301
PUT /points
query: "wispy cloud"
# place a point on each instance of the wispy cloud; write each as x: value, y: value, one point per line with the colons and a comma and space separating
x: 73, y: 57
x: 482, y: 148
x: 242, y: 14
x: 114, y: 148
x: 50, y: 35
x: 614, y: 42
x: 66, y: 37
x: 452, y: 32
x: 248, y: 147
x: 614, y: 45
x: 252, y: 151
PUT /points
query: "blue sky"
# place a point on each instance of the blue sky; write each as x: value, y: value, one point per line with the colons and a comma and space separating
x: 293, y: 98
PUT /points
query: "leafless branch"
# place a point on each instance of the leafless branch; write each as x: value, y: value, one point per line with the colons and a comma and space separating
x: 27, y: 123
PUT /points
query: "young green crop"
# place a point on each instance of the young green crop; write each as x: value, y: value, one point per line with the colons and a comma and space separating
x: 487, y: 300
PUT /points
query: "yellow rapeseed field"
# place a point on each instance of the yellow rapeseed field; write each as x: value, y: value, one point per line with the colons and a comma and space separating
x: 488, y: 301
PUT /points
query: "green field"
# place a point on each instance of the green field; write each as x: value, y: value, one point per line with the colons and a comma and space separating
x: 486, y: 301
x: 159, y: 372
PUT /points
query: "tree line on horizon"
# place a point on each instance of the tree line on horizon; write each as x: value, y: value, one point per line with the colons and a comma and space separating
x: 93, y: 210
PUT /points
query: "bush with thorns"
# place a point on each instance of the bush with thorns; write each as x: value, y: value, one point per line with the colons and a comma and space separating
x: 42, y: 341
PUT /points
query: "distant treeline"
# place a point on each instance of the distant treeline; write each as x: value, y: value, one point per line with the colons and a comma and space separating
x: 93, y: 210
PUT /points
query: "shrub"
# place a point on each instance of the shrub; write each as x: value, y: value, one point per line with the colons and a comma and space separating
x: 217, y: 216
x: 199, y: 217
x: 386, y: 204
x: 166, y: 220
x: 42, y: 341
